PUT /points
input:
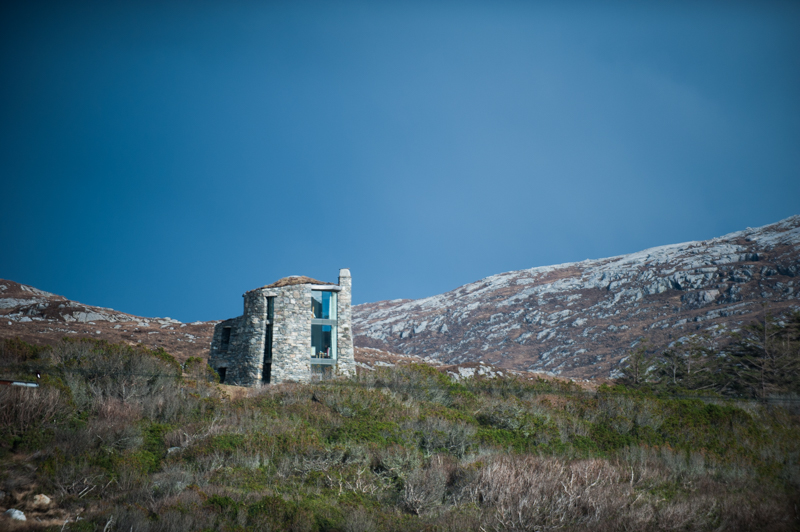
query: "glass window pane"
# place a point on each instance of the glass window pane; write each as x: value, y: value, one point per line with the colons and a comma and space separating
x: 323, y: 341
x: 323, y: 305
x: 316, y: 304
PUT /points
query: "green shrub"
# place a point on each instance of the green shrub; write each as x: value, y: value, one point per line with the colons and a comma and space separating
x: 395, y: 449
x: 274, y: 513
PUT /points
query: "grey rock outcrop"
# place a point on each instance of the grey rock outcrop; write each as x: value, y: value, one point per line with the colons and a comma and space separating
x: 579, y: 319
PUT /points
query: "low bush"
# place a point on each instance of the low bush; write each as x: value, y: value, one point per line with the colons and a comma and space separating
x: 25, y: 409
x: 118, y: 437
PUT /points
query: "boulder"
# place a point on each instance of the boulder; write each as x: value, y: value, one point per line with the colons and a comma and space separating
x: 699, y: 298
x: 41, y: 501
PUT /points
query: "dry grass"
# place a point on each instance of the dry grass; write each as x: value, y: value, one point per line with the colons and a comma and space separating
x: 402, y: 449
x: 532, y: 493
x: 22, y: 409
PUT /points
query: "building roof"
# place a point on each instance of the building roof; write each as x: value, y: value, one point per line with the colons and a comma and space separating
x: 291, y: 281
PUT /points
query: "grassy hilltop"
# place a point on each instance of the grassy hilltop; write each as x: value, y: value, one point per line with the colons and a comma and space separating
x: 124, y: 439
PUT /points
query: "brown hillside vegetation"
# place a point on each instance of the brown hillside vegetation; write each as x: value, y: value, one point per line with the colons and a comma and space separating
x: 122, y: 438
x: 42, y: 318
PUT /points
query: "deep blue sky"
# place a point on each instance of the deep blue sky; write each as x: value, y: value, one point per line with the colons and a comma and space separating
x: 163, y: 159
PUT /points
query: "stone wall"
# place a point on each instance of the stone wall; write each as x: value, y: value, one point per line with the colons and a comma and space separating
x: 291, y: 335
x: 254, y: 328
x: 231, y: 359
x: 291, y: 344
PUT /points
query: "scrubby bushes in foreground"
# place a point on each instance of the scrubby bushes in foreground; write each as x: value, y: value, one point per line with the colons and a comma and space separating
x: 132, y: 445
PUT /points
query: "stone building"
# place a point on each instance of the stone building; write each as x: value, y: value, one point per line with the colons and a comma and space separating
x: 296, y: 329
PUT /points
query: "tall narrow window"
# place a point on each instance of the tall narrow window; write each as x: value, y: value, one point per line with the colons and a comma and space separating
x: 226, y: 338
x: 267, y: 366
x: 323, y: 329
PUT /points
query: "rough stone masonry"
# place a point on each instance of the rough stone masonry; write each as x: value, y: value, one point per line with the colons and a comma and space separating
x: 271, y: 342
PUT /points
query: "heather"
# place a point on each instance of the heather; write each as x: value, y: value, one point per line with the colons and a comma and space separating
x: 125, y: 438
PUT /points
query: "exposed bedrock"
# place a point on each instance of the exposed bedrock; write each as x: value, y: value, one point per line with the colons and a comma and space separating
x: 579, y: 319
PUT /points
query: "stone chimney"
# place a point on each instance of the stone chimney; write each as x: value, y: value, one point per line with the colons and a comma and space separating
x: 347, y: 362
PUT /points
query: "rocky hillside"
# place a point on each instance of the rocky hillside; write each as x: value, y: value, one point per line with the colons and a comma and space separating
x: 580, y: 319
x: 40, y: 317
